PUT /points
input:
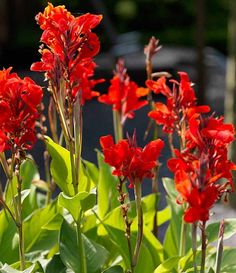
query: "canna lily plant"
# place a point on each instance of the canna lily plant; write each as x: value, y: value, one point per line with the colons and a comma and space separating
x: 99, y: 221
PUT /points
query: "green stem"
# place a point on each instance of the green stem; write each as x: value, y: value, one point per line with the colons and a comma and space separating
x: 118, y: 129
x: 78, y: 133
x: 48, y: 177
x: 220, y: 247
x: 9, y: 211
x: 124, y: 211
x: 182, y: 247
x: 137, y: 190
x: 194, y: 245
x: 155, y: 190
x: 83, y: 265
x: 20, y: 221
x: 203, y: 258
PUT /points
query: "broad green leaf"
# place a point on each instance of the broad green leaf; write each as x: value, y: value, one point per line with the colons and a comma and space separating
x: 8, y: 269
x: 60, y: 166
x: 8, y: 239
x: 107, y: 192
x: 78, y: 203
x: 91, y: 171
x: 54, y: 223
x: 114, y: 269
x: 37, y: 237
x: 61, y: 170
x: 169, y: 186
x: 172, y: 237
x: 55, y: 265
x: 212, y: 229
x: 186, y: 262
x: 28, y: 172
x: 96, y: 254
x: 228, y: 260
x: 149, y: 206
x: 169, y: 265
x: 163, y: 216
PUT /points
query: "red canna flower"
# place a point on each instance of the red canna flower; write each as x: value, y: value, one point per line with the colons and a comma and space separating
x: 123, y: 94
x: 19, y: 99
x: 71, y: 45
x: 180, y: 103
x: 202, y: 171
x: 130, y: 161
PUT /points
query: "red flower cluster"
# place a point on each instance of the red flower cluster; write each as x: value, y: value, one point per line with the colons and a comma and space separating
x: 123, y: 94
x: 130, y: 161
x: 19, y: 99
x: 71, y: 45
x: 180, y: 102
x: 202, y: 171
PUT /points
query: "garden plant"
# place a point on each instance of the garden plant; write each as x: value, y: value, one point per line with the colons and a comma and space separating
x: 93, y: 224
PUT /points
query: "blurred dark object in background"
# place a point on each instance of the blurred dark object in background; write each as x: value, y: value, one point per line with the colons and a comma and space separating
x: 171, y: 21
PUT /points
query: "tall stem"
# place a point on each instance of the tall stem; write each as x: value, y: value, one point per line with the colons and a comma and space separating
x: 20, y: 219
x: 78, y: 133
x: 48, y: 177
x: 182, y: 247
x: 203, y: 258
x: 117, y: 124
x: 124, y: 211
x: 194, y: 245
x: 137, y: 190
x: 83, y: 265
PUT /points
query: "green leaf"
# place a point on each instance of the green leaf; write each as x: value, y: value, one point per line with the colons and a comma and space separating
x: 54, y: 223
x: 91, y: 171
x: 78, y: 203
x: 212, y: 229
x: 60, y: 166
x: 55, y: 265
x: 172, y: 237
x: 228, y: 260
x: 168, y: 265
x: 96, y: 254
x: 8, y: 239
x: 107, y: 192
x: 28, y: 172
x: 8, y: 269
x: 163, y: 215
x: 37, y: 237
x: 114, y: 269
x: 211, y: 270
x: 169, y: 186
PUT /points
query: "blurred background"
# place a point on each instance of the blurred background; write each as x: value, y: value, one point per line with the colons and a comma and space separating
x: 198, y: 36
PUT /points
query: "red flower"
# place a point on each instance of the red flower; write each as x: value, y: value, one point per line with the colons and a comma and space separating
x: 202, y: 171
x: 164, y: 115
x: 19, y: 99
x: 180, y: 103
x: 200, y: 202
x: 123, y: 94
x: 130, y: 161
x: 70, y: 48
